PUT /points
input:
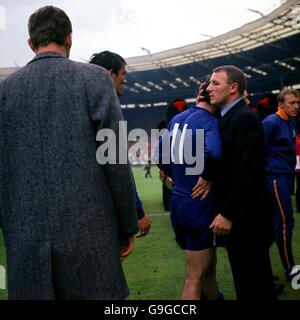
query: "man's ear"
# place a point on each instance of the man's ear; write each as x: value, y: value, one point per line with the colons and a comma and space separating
x: 113, y: 75
x: 234, y: 88
x: 31, y: 45
x: 69, y: 40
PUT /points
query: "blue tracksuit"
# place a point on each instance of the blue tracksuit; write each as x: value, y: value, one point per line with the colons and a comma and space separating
x: 138, y: 203
x: 191, y: 218
x: 139, y: 206
x: 280, y: 139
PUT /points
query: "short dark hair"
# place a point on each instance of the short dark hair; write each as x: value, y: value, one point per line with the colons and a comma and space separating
x: 48, y: 24
x: 284, y: 92
x: 234, y: 75
x: 108, y: 60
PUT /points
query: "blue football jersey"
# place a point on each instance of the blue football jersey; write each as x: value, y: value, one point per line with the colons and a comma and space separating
x: 194, y: 148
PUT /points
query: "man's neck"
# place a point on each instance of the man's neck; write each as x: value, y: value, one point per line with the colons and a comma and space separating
x: 207, y: 107
x: 231, y: 98
x: 53, y: 47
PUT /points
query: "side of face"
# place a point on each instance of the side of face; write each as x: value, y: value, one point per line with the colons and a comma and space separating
x: 219, y: 88
x: 221, y: 92
x: 119, y: 80
x: 290, y: 105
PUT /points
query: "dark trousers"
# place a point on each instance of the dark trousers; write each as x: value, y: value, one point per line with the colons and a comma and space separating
x: 298, y: 191
x: 248, y: 253
x: 280, y: 189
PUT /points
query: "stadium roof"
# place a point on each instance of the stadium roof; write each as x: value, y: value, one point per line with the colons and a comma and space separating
x: 281, y: 23
x: 267, y: 50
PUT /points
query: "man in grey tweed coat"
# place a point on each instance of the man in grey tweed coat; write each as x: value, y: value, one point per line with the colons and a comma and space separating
x: 67, y: 221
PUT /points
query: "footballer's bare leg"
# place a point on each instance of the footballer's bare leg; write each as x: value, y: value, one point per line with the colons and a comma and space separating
x: 197, y: 265
x: 210, y: 285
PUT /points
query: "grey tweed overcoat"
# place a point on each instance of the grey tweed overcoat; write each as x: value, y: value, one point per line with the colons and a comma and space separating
x: 62, y: 213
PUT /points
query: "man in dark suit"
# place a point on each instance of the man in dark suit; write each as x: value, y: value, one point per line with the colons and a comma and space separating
x: 244, y: 215
x: 67, y: 221
x: 244, y: 209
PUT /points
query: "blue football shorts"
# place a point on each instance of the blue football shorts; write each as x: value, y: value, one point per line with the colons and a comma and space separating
x: 191, y: 220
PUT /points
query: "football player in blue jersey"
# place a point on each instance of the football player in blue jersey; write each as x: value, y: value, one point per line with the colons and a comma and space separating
x: 192, y: 144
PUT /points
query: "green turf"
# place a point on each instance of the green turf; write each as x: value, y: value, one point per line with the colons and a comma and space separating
x: 155, y: 269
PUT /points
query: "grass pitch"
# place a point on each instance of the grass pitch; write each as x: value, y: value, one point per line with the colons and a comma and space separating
x: 155, y: 269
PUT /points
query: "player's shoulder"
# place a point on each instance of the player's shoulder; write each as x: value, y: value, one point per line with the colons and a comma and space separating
x: 179, y: 118
x: 271, y: 119
x: 203, y: 117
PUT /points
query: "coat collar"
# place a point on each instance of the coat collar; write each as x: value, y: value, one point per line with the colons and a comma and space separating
x: 234, y: 109
x: 282, y: 114
x: 48, y: 54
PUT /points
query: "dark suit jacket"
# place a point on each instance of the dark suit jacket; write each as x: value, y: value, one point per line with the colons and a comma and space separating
x: 242, y: 190
x: 62, y: 213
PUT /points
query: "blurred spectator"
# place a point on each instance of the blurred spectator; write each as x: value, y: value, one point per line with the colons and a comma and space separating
x: 248, y: 102
x: 267, y: 105
x: 175, y: 107
x: 147, y: 168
